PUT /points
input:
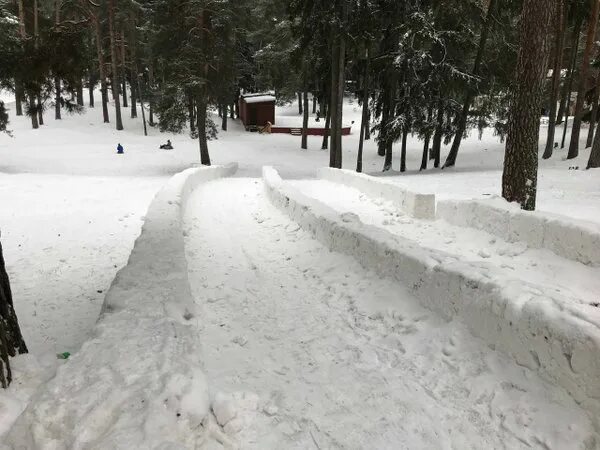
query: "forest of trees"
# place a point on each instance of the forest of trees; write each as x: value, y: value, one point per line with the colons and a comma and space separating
x: 435, y: 69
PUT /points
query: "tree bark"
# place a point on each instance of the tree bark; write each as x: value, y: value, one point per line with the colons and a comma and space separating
x: 594, y: 160
x: 304, y: 143
x: 559, y: 43
x: 325, y: 144
x: 201, y: 123
x: 570, y: 88
x: 519, y: 179
x: 113, y: 57
x: 594, y: 116
x: 18, y: 98
x: 337, y: 87
x: 581, y: 86
x: 79, y: 92
x: 299, y: 102
x: 464, y: 114
x: 100, y: 53
x: 403, y: 151
x: 224, y: 117
x: 563, y: 109
x: 436, y: 148
x: 364, y: 120
x: 57, y: 98
x: 11, y: 339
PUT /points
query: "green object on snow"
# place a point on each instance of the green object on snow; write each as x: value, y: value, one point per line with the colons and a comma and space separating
x: 64, y: 355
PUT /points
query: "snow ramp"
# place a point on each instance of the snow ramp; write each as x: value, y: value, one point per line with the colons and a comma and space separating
x: 138, y: 381
x: 514, y: 317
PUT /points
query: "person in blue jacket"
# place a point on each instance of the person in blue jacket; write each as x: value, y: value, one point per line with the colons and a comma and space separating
x: 120, y: 149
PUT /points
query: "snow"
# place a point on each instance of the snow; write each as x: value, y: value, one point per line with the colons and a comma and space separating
x: 304, y: 348
x: 138, y: 380
x: 259, y: 99
x: 542, y: 327
x: 289, y: 342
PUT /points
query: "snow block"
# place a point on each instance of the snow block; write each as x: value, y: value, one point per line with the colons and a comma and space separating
x: 550, y: 334
x: 138, y: 381
x: 419, y: 206
x: 569, y: 238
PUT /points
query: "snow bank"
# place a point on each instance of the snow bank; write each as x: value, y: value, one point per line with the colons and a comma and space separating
x: 420, y: 206
x: 560, y: 340
x: 569, y: 238
x: 138, y: 381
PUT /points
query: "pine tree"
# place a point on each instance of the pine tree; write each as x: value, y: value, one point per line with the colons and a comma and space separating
x: 519, y: 179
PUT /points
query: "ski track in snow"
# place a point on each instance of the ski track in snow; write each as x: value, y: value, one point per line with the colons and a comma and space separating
x: 541, y: 267
x: 303, y: 348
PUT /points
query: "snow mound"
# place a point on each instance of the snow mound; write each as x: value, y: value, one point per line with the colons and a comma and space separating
x: 418, y: 205
x: 539, y: 329
x: 138, y: 382
x: 569, y: 238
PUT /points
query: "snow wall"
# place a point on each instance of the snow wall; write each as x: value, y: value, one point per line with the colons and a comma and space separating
x: 511, y: 316
x: 571, y: 239
x: 138, y: 381
x: 419, y: 206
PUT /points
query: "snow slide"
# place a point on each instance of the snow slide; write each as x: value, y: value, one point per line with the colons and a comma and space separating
x: 550, y: 329
x: 304, y: 348
x: 138, y: 382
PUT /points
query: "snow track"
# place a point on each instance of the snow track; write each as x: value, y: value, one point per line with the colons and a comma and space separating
x: 304, y: 348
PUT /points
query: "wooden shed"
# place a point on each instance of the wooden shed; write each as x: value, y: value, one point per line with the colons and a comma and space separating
x: 256, y: 110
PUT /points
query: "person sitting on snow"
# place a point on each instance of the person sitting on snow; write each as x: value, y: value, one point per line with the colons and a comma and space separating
x: 120, y: 149
x: 167, y: 146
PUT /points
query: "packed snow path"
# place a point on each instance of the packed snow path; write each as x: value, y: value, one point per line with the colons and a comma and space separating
x: 303, y: 348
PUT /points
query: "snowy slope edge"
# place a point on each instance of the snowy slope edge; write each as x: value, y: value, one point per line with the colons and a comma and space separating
x: 569, y: 238
x: 138, y: 381
x: 536, y: 329
x: 417, y: 205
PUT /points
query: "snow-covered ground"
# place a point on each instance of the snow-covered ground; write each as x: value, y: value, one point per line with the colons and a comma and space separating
x: 308, y: 349
x: 72, y: 209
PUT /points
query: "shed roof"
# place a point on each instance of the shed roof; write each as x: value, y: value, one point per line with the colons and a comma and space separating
x: 259, y: 99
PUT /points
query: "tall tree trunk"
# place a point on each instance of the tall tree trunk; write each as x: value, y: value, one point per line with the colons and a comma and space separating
x: 201, y: 123
x: 581, y: 86
x: 594, y: 116
x: 325, y: 144
x: 232, y: 111
x: 368, y: 127
x: 19, y: 91
x: 33, y: 111
x: 304, y: 143
x: 18, y: 98
x: 436, y: 148
x: 141, y: 98
x: 364, y: 120
x: 519, y: 179
x: 102, y: 73
x: 133, y: 67
x: 594, y: 160
x: 426, y: 142
x: 563, y: 109
x: 464, y: 114
x: 57, y: 88
x: 559, y: 42
x: 113, y: 57
x: 11, y: 339
x: 91, y: 83
x: 192, y: 114
x: 57, y: 98
x: 314, y: 103
x: 124, y: 69
x: 570, y: 90
x: 224, y: 117
x: 299, y: 102
x: 40, y: 110
x: 403, y: 151
x: 333, y: 106
x: 79, y: 92
x: 151, y: 85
